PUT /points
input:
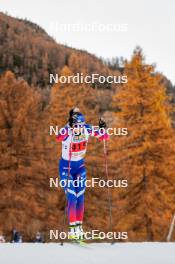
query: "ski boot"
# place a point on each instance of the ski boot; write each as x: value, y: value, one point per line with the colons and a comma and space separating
x: 80, y: 232
x: 72, y: 235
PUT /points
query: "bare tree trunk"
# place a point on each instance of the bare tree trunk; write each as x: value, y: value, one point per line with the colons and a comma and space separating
x: 170, y: 233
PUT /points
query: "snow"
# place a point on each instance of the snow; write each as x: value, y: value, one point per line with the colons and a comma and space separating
x: 103, y: 253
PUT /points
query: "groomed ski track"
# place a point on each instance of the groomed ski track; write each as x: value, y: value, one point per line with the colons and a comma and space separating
x: 102, y: 253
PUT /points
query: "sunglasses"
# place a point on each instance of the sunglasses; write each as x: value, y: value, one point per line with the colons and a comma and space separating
x: 80, y: 125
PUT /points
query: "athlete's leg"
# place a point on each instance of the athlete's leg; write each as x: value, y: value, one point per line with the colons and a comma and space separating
x: 71, y: 196
x: 80, y: 190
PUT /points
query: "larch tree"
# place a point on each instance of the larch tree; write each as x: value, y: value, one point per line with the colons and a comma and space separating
x: 22, y: 156
x: 145, y: 157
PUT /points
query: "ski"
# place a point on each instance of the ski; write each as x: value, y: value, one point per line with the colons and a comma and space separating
x: 81, y: 243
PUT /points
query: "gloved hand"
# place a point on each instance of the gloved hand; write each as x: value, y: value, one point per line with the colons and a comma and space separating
x: 72, y: 114
x: 102, y: 123
x: 73, y: 111
x: 71, y: 120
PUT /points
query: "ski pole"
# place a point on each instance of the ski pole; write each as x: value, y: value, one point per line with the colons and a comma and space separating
x: 68, y: 176
x: 107, y: 177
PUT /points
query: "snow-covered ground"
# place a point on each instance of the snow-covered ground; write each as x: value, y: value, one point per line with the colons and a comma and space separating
x: 103, y: 253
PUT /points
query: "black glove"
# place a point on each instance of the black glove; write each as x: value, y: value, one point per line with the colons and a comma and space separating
x: 73, y: 111
x: 72, y: 114
x: 102, y: 123
x: 71, y: 121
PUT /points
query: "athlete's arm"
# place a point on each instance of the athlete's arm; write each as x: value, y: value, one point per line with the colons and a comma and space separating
x: 64, y: 133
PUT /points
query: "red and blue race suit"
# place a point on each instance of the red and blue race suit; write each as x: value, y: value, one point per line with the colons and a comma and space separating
x: 72, y: 169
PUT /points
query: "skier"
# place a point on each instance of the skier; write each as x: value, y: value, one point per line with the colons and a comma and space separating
x: 16, y: 237
x: 72, y: 168
x: 39, y: 238
x: 2, y: 238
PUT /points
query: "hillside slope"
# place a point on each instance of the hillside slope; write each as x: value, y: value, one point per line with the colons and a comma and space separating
x: 31, y: 53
